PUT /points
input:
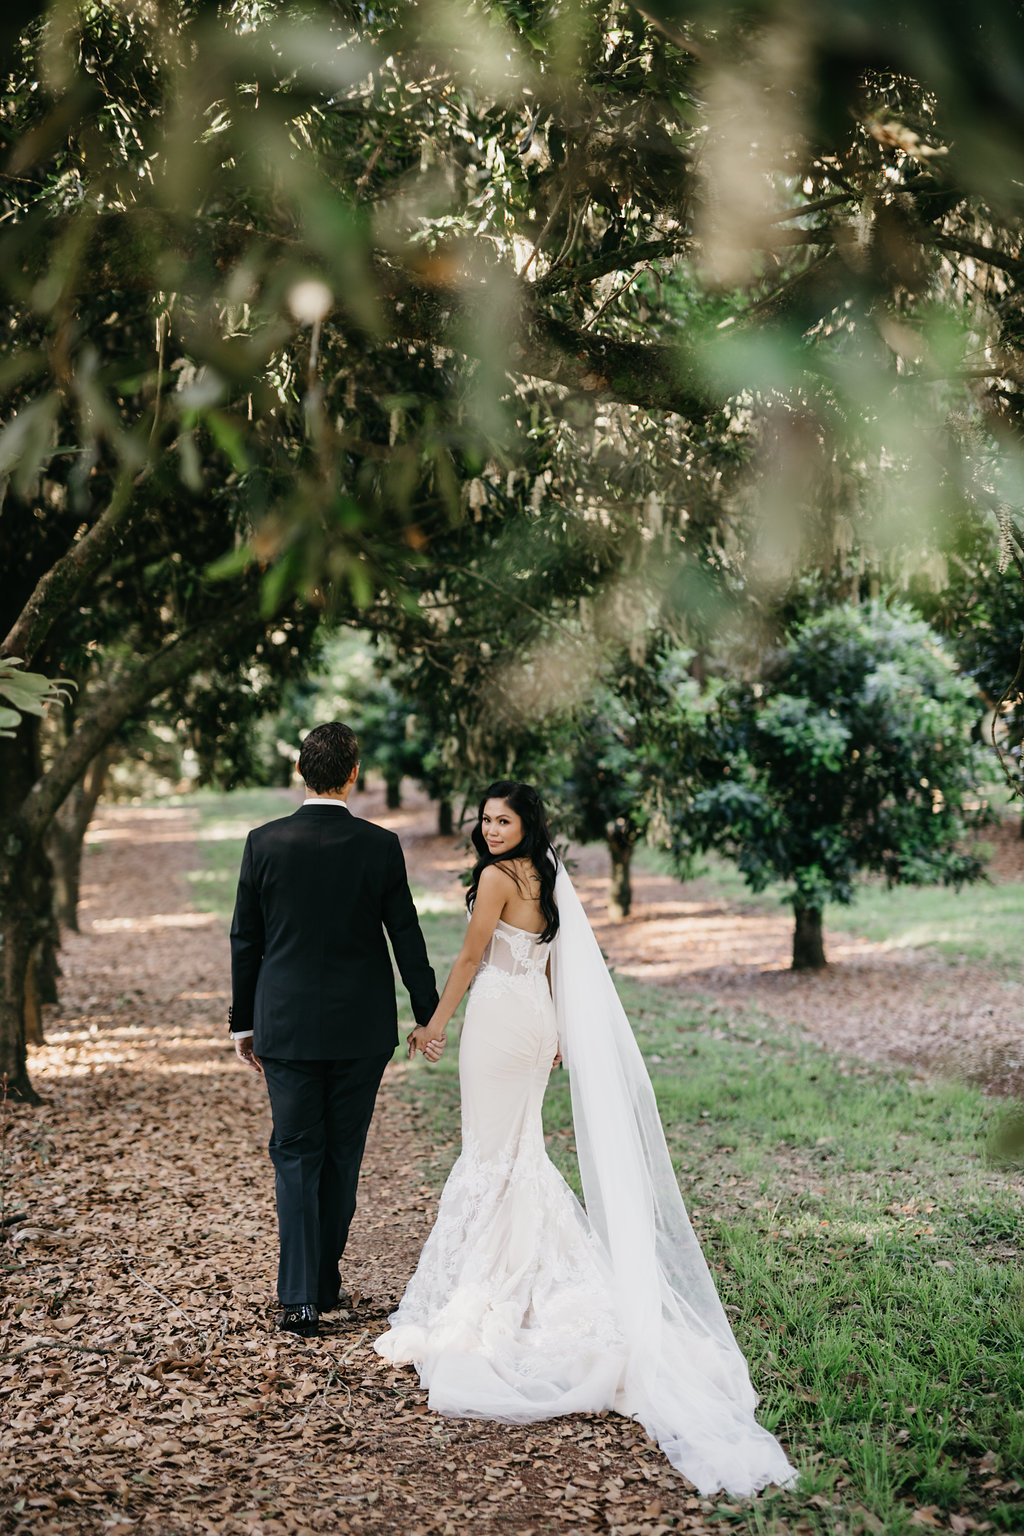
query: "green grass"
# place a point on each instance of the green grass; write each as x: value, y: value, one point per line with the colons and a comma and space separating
x: 868, y: 1252
x: 979, y: 922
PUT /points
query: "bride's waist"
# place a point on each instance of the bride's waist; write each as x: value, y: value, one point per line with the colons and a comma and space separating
x: 491, y: 981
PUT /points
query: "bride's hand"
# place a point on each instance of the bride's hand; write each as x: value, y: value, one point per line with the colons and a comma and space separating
x: 431, y: 1047
x: 557, y: 1061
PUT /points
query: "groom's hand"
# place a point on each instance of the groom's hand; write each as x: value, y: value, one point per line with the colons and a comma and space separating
x: 244, y: 1052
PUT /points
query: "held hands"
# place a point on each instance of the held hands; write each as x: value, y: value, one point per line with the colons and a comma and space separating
x: 421, y: 1040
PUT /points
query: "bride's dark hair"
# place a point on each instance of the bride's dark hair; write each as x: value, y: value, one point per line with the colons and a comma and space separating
x: 535, y: 845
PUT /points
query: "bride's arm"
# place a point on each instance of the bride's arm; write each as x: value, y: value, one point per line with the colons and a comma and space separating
x: 491, y: 896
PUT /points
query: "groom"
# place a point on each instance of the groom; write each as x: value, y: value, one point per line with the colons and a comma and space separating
x: 313, y: 1006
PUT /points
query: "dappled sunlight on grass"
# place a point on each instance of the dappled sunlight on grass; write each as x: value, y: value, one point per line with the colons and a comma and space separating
x: 152, y: 921
x: 220, y: 831
x: 430, y: 902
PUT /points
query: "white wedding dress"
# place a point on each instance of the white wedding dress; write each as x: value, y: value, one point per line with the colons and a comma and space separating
x: 523, y: 1306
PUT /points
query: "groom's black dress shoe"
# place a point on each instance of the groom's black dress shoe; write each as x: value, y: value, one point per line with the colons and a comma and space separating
x: 302, y: 1320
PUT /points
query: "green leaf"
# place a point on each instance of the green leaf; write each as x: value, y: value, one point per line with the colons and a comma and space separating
x: 27, y: 692
x: 227, y: 434
x: 232, y: 564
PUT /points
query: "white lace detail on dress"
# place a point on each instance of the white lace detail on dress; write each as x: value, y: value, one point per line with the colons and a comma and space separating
x: 508, y: 1314
x: 514, y: 964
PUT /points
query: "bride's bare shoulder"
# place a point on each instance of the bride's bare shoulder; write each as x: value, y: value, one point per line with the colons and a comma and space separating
x: 496, y: 877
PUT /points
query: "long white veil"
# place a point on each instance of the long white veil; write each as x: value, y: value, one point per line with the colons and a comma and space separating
x: 685, y: 1380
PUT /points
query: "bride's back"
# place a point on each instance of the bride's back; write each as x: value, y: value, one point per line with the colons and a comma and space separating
x: 522, y: 903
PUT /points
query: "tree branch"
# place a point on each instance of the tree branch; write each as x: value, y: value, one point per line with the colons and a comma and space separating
x: 622, y: 259
x: 153, y: 676
x: 674, y: 35
x: 978, y: 252
x: 58, y: 586
x: 816, y: 207
x: 816, y: 290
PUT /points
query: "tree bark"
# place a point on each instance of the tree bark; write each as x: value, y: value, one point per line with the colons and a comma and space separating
x: 32, y: 1010
x: 393, y: 791
x: 43, y: 939
x: 620, y: 839
x: 66, y: 854
x: 66, y: 837
x: 18, y: 765
x: 49, y: 966
x: 445, y: 818
x: 808, y: 942
x: 14, y: 952
x: 57, y: 588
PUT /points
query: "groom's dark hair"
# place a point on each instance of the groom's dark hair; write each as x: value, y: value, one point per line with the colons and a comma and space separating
x: 328, y: 755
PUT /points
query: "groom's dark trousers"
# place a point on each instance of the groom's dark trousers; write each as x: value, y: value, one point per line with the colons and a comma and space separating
x: 312, y: 977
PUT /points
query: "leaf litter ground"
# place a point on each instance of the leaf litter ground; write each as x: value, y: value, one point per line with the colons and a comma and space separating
x: 142, y: 1384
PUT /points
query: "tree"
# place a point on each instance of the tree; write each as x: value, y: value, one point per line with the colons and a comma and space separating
x: 979, y: 611
x: 855, y: 757
x: 602, y: 790
x: 394, y: 212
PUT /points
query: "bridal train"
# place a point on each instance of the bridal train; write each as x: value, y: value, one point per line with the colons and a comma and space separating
x: 524, y: 1306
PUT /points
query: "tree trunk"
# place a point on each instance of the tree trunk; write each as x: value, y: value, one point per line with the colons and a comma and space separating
x: 620, y: 840
x: 66, y: 836
x: 32, y: 1010
x: 445, y: 818
x: 66, y: 854
x: 808, y: 944
x: 43, y: 941
x: 48, y: 965
x: 393, y: 791
x: 20, y: 888
x: 15, y: 919
x: 30, y: 798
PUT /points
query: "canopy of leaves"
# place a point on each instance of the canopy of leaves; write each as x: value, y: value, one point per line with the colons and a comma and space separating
x: 856, y: 758
x: 344, y: 265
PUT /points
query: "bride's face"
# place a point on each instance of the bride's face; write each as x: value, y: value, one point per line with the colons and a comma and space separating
x: 501, y: 826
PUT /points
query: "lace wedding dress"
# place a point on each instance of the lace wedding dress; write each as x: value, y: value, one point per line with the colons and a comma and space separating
x: 523, y: 1306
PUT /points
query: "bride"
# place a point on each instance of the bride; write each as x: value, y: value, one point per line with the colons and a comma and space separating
x: 523, y: 1306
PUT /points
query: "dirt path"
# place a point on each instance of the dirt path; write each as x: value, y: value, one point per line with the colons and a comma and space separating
x: 909, y: 1006
x: 142, y: 1387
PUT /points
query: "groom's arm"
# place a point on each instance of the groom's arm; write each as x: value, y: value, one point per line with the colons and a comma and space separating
x: 247, y: 939
x: 398, y: 912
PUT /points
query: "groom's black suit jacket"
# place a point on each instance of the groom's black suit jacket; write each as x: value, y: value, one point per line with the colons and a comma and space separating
x: 310, y: 969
